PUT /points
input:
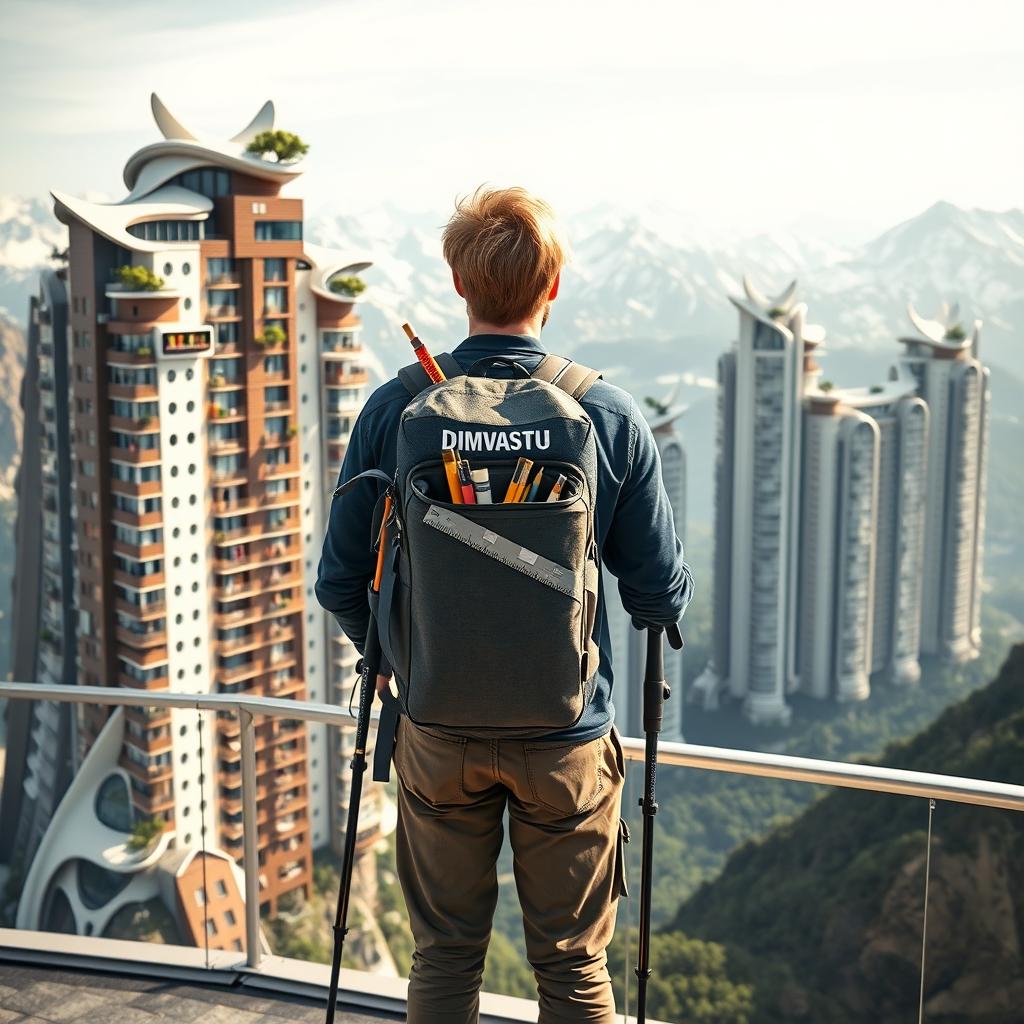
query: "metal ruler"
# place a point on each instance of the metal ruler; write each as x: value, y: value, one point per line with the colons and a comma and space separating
x: 503, y: 550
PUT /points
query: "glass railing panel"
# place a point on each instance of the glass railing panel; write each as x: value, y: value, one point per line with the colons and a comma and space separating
x: 106, y: 821
x: 302, y: 875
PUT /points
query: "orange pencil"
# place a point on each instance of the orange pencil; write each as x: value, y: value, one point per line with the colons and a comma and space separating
x: 380, y: 544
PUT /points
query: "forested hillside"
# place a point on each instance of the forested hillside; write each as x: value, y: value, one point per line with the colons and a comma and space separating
x: 823, y: 917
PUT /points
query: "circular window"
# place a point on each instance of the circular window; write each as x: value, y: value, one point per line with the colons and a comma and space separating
x: 181, y: 673
x: 192, y: 529
x: 190, y: 406
x: 192, y: 467
x: 191, y: 438
x: 172, y: 408
x: 174, y: 470
x: 113, y: 804
x: 175, y: 502
x: 191, y: 499
x: 171, y: 376
x: 168, y: 269
x: 177, y: 591
x: 188, y: 303
x: 179, y: 646
x: 176, y: 531
x: 195, y: 558
x: 189, y: 375
x: 177, y: 561
x: 196, y: 642
x: 185, y: 810
x: 186, y: 268
x: 188, y: 835
x: 174, y: 439
x: 195, y: 614
x: 178, y: 618
x: 199, y: 670
x: 195, y: 587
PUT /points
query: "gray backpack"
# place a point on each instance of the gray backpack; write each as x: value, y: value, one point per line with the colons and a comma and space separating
x: 486, y: 611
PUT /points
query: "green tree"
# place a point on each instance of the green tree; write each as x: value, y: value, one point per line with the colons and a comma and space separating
x: 144, y: 832
x: 348, y: 284
x: 138, y: 279
x: 286, y: 146
x: 690, y: 980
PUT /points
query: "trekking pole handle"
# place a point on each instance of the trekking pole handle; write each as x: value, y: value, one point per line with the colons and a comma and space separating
x: 656, y: 690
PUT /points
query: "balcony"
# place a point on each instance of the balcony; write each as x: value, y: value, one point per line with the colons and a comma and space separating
x: 95, y: 977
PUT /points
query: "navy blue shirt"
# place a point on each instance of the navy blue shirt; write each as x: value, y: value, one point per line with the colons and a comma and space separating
x: 633, y: 518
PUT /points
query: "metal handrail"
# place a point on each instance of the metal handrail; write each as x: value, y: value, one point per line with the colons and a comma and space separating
x: 782, y: 767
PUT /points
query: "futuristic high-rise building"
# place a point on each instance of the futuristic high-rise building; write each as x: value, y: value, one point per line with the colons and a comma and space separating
x: 943, y: 360
x: 757, y: 498
x: 40, y: 758
x: 628, y: 644
x: 213, y: 373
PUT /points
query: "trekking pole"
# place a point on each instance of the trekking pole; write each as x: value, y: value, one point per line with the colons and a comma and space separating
x: 367, y: 689
x: 656, y: 692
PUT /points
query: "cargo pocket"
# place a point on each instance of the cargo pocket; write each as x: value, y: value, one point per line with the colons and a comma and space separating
x: 430, y: 765
x: 566, y: 779
x: 620, y: 888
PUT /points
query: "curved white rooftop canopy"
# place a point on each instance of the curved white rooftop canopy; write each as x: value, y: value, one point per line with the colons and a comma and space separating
x: 781, y: 312
x: 183, y: 150
x: 942, y: 331
x: 112, y: 220
x: 329, y: 263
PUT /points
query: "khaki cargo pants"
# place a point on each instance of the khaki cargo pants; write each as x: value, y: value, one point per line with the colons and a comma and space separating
x: 563, y: 804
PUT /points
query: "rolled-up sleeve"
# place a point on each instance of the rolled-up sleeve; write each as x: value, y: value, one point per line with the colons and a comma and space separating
x: 642, y: 549
x: 347, y: 561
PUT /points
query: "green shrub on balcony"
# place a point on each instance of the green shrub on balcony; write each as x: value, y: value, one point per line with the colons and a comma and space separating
x: 285, y: 146
x: 138, y: 279
x: 144, y: 351
x: 825, y: 386
x: 348, y: 284
x: 955, y: 333
x: 220, y: 537
x: 144, y: 832
x: 776, y: 311
x: 292, y: 430
x: 218, y: 380
x: 272, y: 335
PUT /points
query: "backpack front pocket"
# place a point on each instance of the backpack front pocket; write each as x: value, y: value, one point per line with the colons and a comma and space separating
x: 496, y: 639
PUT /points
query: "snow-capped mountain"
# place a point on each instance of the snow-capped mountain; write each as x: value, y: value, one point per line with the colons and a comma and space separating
x: 28, y: 234
x: 645, y: 296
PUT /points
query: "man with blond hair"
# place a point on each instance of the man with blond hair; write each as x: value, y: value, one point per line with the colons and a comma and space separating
x: 561, y: 792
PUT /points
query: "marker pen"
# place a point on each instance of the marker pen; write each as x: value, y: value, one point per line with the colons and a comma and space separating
x: 427, y: 361
x: 482, y: 486
x: 556, y: 491
x: 466, y: 483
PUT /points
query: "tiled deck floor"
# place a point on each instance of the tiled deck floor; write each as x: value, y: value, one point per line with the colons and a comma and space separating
x: 44, y: 995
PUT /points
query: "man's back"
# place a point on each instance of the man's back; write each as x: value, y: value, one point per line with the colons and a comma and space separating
x: 633, y: 518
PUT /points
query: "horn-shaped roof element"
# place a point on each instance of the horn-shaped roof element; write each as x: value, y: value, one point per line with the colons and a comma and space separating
x: 945, y: 331
x: 782, y: 302
x: 182, y: 150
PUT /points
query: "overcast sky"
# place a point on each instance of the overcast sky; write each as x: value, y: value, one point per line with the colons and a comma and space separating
x: 835, y: 117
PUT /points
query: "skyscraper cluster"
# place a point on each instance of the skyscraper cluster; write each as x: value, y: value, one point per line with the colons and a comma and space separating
x: 198, y: 368
x: 849, y: 522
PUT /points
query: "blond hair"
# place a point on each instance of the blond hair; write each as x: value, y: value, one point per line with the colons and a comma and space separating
x: 507, y: 248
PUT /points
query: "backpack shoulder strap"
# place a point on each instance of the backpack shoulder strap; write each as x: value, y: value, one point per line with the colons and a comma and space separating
x: 415, y: 378
x: 573, y: 378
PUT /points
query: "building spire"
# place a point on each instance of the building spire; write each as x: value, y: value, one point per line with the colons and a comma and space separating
x: 169, y: 125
